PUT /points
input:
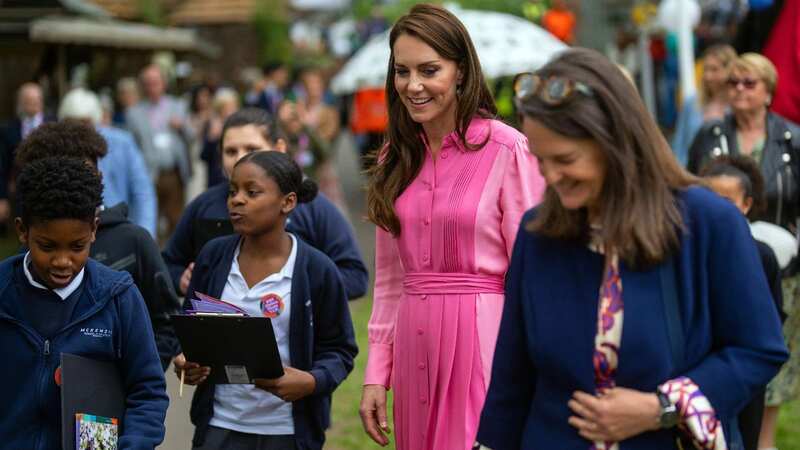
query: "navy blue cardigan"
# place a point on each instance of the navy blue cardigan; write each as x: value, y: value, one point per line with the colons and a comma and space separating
x: 544, y: 350
x: 109, y: 323
x: 321, y: 336
x: 318, y: 222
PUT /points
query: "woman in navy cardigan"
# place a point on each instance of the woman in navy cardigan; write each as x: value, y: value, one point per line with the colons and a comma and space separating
x: 637, y: 314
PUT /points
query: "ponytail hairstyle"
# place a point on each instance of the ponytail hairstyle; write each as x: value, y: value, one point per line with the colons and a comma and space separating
x: 285, y: 172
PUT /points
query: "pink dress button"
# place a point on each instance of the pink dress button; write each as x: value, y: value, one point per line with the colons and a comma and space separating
x: 421, y: 366
x: 420, y: 331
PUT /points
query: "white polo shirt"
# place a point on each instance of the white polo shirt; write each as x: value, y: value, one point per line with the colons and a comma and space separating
x: 64, y: 292
x: 244, y: 407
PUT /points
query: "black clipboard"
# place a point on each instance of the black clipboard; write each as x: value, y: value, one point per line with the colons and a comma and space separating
x: 204, y: 230
x: 238, y: 349
x: 92, y: 387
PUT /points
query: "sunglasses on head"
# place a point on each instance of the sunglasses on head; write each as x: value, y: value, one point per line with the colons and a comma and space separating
x: 554, y: 90
x: 748, y: 83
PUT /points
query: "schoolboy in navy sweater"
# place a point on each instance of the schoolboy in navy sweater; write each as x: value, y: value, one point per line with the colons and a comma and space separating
x: 317, y: 222
x: 119, y: 244
x: 51, y: 296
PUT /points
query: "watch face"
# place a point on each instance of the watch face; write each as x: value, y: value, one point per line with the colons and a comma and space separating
x: 669, y: 417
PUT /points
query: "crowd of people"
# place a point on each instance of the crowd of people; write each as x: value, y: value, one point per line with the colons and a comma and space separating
x: 568, y: 284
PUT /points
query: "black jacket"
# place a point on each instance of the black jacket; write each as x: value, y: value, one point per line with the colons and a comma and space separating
x: 122, y: 245
x: 780, y: 163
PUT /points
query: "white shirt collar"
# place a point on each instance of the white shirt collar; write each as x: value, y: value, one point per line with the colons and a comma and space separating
x: 286, y: 270
x: 61, y: 292
x: 34, y: 119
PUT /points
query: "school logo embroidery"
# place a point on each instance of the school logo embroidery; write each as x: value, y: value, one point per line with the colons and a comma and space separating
x: 96, y: 332
x: 271, y: 305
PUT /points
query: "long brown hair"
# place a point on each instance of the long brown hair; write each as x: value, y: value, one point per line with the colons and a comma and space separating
x: 400, y: 159
x: 640, y: 218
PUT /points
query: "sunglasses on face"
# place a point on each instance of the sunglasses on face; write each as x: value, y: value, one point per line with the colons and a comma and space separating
x: 553, y: 90
x: 748, y: 83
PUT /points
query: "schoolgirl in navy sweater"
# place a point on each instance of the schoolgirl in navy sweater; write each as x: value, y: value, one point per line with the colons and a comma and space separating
x: 317, y: 222
x: 55, y: 299
x: 267, y: 271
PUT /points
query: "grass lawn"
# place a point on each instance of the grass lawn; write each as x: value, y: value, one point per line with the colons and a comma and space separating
x: 347, y: 434
x: 789, y: 427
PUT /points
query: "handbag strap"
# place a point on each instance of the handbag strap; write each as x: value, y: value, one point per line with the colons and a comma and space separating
x: 672, y: 312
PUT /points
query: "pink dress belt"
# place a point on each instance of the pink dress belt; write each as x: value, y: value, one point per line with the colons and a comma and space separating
x: 419, y: 283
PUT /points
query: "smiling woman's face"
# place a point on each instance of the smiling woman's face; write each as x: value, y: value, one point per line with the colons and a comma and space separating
x: 574, y: 168
x: 425, y: 81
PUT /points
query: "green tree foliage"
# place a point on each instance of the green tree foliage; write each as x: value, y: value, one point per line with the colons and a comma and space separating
x: 515, y: 7
x: 271, y: 22
x: 152, y: 12
x: 363, y: 8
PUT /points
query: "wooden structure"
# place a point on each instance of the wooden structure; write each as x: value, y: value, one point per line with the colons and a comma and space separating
x: 44, y: 40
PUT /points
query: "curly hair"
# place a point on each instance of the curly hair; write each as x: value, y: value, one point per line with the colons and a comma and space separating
x: 745, y: 170
x: 70, y: 137
x: 58, y: 187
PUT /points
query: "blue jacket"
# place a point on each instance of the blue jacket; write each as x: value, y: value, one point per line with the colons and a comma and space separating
x: 28, y: 393
x: 318, y: 222
x: 544, y: 350
x: 321, y: 336
x: 125, y: 178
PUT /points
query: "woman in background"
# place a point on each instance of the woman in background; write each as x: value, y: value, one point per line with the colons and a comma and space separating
x: 773, y: 142
x: 710, y: 104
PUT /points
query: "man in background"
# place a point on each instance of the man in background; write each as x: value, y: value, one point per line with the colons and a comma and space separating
x: 161, y: 127
x: 125, y: 176
x: 30, y: 114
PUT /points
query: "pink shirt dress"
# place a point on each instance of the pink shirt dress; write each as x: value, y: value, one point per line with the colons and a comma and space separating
x: 438, y: 293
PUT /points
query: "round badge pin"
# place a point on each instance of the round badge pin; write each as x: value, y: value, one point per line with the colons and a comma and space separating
x: 271, y: 305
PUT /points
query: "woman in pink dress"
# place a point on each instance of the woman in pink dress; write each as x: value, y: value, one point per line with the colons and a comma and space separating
x: 447, y: 193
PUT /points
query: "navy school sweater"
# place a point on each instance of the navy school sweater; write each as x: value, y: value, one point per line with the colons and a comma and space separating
x: 319, y: 223
x: 30, y: 397
x: 321, y: 336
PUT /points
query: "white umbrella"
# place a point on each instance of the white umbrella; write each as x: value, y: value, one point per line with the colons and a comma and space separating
x: 506, y: 45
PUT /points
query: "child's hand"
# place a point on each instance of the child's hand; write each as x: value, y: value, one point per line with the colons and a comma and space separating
x: 195, y: 374
x: 186, y: 277
x: 292, y: 386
